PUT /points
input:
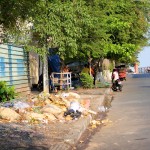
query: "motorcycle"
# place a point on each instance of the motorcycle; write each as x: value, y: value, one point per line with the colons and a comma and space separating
x: 117, y: 85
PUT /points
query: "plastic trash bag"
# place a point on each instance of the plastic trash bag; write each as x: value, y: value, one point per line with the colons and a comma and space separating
x: 21, y: 105
x: 74, y: 110
x: 9, y: 104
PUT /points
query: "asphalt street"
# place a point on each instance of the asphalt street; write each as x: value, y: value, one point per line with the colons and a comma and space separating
x: 129, y: 119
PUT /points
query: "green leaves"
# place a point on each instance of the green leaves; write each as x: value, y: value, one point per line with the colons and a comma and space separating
x: 126, y: 25
x: 12, y: 10
x: 86, y: 80
x: 6, y: 93
x: 57, y: 21
x: 83, y: 28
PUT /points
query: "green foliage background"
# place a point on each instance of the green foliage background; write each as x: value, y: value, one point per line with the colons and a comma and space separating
x: 80, y: 30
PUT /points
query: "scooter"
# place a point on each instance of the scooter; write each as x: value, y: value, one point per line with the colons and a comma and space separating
x: 117, y: 85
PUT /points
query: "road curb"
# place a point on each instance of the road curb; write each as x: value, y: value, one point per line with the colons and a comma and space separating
x: 81, y: 125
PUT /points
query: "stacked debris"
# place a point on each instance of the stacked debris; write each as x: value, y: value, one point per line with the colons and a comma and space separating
x: 45, y: 108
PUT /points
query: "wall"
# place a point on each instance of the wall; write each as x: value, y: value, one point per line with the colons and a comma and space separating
x: 34, y: 68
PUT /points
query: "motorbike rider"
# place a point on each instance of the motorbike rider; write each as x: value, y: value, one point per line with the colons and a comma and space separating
x: 115, y: 76
x: 116, y: 83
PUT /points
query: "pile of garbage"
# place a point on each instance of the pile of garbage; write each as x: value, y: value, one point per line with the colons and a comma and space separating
x: 46, y: 108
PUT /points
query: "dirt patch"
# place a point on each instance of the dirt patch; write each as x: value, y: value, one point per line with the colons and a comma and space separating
x: 95, y: 91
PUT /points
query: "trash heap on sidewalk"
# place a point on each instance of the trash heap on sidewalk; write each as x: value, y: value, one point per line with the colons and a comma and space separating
x: 46, y: 108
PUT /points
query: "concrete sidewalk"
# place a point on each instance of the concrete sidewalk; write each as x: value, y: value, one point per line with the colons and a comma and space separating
x: 97, y: 98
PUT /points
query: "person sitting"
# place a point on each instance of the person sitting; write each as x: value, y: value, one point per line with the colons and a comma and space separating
x: 66, y: 69
x: 86, y: 69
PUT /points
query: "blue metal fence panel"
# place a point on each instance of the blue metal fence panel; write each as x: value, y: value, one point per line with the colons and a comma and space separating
x: 2, y: 67
x: 14, y: 66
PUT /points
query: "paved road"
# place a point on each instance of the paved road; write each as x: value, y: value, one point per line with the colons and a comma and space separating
x: 130, y: 116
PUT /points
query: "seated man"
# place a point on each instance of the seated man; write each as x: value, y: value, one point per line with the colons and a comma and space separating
x: 86, y: 69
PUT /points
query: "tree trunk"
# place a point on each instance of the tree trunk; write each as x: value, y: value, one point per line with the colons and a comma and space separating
x: 89, y: 61
x: 45, y: 75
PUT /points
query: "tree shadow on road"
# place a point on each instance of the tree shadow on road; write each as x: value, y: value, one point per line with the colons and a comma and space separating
x: 16, y: 137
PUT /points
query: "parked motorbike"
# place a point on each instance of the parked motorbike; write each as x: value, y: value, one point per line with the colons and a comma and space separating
x: 117, y: 85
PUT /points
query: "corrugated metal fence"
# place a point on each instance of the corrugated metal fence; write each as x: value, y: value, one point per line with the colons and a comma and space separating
x: 14, y: 68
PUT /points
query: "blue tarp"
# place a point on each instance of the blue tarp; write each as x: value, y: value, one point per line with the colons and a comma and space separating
x: 54, y: 62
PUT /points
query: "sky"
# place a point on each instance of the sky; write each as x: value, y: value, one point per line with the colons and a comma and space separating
x: 144, y: 57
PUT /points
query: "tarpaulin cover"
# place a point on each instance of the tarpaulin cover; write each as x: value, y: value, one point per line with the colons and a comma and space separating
x: 54, y: 61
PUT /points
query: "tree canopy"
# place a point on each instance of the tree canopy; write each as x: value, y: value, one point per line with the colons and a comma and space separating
x: 12, y: 10
x: 81, y: 29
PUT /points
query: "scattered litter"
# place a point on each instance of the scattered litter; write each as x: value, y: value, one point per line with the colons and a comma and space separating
x: 71, y: 95
x: 51, y: 108
x: 21, y: 105
x: 9, y: 114
x: 74, y: 110
x: 46, y: 108
x: 72, y: 88
x: 81, y: 141
x: 9, y: 104
x: 95, y: 123
x: 74, y: 106
x: 64, y: 95
x: 102, y: 108
x: 107, y: 122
